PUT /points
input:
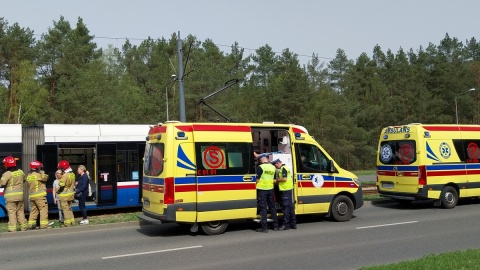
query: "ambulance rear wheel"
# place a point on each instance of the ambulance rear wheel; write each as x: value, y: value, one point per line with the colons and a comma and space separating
x: 214, y: 227
x: 449, y: 197
x: 342, y: 208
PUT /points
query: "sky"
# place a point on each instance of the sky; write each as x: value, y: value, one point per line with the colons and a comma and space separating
x: 304, y: 27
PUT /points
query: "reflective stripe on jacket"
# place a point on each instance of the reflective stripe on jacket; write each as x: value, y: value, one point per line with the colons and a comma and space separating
x: 13, y: 182
x: 68, y: 183
x: 36, y: 184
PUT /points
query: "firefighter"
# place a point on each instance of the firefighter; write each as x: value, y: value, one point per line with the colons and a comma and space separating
x: 38, y: 195
x: 12, y: 182
x: 66, y: 192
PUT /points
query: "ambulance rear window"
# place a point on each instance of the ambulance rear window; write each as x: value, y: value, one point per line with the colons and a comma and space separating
x: 153, y: 163
x: 398, y: 152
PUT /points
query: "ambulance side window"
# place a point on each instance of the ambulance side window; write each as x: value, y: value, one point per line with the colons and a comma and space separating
x: 310, y: 159
x: 468, y: 150
x: 224, y: 158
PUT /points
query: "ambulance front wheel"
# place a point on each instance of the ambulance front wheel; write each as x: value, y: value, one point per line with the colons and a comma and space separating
x: 449, y: 197
x: 214, y: 227
x: 342, y: 208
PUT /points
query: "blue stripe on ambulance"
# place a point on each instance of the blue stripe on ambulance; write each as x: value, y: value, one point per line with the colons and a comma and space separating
x: 187, y: 163
x: 400, y: 168
x: 431, y: 154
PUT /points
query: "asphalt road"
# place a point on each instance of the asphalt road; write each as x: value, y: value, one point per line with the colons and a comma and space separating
x: 378, y: 234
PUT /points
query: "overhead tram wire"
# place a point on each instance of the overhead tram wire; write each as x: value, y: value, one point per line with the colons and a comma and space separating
x: 219, y: 45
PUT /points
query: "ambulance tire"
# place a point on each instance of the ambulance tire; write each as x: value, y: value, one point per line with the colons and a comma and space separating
x: 214, y: 227
x: 342, y: 208
x: 449, y: 197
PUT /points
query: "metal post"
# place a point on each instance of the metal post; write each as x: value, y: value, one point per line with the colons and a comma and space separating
x: 456, y: 102
x: 166, y: 98
x: 181, y: 93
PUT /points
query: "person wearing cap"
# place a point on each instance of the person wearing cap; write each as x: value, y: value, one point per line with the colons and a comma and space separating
x: 265, y: 193
x: 285, y: 185
x: 38, y: 195
x: 12, y: 182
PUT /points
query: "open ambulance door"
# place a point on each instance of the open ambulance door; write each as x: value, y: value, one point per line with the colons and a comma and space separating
x: 106, y: 173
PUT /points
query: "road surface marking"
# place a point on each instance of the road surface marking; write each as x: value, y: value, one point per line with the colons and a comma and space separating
x: 149, y: 252
x: 384, y: 225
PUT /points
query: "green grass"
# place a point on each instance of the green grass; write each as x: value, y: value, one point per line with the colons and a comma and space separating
x: 373, y: 197
x: 369, y: 182
x: 365, y: 172
x: 94, y: 217
x: 458, y: 260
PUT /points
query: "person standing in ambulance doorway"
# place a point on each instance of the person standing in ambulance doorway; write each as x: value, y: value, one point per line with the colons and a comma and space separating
x: 265, y: 193
x: 66, y: 192
x: 285, y: 185
x: 12, y: 182
x: 36, y: 180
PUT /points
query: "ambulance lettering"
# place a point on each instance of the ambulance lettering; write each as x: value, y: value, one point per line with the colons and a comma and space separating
x: 391, y: 130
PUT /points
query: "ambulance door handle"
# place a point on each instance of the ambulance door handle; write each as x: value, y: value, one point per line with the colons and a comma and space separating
x: 247, y: 178
x: 306, y: 177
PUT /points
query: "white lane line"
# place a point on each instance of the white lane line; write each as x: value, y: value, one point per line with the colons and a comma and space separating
x: 149, y: 252
x: 384, y: 225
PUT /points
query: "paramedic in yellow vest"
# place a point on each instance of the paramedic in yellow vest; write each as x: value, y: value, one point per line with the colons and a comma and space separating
x: 265, y: 193
x: 12, y: 182
x: 66, y: 191
x: 285, y: 185
x: 38, y: 195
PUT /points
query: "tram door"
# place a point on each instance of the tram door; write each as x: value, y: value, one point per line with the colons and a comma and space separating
x: 106, y: 161
x: 48, y: 155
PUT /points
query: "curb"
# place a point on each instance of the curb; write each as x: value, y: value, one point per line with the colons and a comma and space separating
x: 76, y: 228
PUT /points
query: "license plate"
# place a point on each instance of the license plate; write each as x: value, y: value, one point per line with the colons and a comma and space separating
x: 387, y: 185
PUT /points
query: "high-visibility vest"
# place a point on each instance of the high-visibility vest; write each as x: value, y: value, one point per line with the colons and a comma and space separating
x: 13, y: 182
x: 36, y: 185
x: 267, y: 178
x: 287, y: 185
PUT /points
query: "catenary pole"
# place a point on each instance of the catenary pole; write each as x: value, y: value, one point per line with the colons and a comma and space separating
x: 181, y: 93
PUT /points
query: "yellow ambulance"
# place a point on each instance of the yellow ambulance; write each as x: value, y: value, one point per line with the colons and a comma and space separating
x: 203, y: 174
x: 439, y: 162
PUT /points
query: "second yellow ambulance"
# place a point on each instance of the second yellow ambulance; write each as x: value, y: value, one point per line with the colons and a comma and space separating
x: 437, y: 162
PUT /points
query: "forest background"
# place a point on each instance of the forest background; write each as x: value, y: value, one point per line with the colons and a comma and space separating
x: 62, y: 77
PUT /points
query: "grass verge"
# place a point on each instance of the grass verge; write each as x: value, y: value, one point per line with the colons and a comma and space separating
x: 466, y: 260
x: 95, y: 217
x: 365, y: 172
